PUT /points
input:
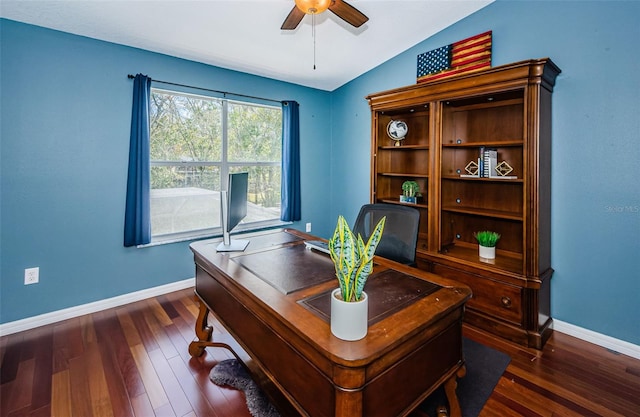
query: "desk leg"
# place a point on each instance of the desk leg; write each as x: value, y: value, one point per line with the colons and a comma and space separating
x: 450, y: 389
x: 203, y: 333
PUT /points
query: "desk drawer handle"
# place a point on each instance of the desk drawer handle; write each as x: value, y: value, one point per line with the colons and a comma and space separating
x: 506, y: 302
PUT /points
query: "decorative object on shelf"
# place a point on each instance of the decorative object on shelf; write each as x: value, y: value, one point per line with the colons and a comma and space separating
x: 503, y: 169
x: 410, y: 192
x: 353, y: 261
x: 468, y: 55
x: 487, y: 242
x: 397, y: 130
x: 487, y: 165
x: 472, y: 169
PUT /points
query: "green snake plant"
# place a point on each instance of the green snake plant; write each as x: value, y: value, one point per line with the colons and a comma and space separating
x: 352, y: 258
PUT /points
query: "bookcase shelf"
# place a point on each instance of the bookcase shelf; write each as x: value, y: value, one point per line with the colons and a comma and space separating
x: 504, y: 261
x: 484, y: 212
x: 396, y: 201
x: 482, y: 179
x: 402, y: 174
x: 487, y: 143
x: 403, y: 148
x: 501, y: 115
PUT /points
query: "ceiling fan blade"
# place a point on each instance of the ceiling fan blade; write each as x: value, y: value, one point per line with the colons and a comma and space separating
x: 348, y: 13
x: 293, y: 19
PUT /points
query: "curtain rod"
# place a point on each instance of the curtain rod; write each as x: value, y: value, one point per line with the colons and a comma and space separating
x: 212, y: 91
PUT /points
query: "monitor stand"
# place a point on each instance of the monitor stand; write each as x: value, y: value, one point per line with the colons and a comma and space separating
x: 234, y: 245
x: 231, y: 245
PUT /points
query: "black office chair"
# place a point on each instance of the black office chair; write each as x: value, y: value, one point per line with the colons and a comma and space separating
x: 400, y: 235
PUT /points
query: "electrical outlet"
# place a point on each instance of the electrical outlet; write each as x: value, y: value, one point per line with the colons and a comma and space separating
x: 308, y: 227
x: 31, y: 276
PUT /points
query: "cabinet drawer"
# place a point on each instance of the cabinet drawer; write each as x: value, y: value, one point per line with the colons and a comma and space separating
x: 491, y: 297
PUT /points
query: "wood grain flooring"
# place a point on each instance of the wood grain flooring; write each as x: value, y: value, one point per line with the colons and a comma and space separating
x: 133, y: 361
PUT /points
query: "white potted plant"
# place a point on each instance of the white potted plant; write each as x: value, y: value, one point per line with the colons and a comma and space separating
x: 487, y: 241
x: 353, y: 261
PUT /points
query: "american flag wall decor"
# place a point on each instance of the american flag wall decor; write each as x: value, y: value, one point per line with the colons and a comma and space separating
x: 468, y: 55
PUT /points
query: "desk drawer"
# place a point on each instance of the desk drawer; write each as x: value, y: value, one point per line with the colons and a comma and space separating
x: 491, y: 297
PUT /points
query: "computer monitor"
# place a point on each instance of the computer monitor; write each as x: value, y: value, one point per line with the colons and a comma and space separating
x: 233, y: 208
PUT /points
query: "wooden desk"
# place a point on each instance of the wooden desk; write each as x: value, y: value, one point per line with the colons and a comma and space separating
x: 271, y: 298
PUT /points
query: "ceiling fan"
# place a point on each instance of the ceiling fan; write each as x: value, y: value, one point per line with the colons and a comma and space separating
x: 340, y: 8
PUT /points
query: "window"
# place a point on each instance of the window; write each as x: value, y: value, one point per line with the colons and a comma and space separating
x: 195, y: 141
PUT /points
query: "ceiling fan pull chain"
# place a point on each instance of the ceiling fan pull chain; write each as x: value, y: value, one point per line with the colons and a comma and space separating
x: 313, y: 34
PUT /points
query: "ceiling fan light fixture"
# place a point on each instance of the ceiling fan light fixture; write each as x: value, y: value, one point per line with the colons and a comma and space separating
x: 313, y: 6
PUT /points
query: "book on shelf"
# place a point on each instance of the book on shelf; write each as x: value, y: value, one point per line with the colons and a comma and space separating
x: 490, y: 158
x: 487, y: 163
x: 490, y: 162
x: 497, y: 169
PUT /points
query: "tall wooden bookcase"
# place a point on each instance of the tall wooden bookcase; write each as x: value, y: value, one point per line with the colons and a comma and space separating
x: 451, y: 123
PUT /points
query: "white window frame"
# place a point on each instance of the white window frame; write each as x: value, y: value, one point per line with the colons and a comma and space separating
x: 225, y: 167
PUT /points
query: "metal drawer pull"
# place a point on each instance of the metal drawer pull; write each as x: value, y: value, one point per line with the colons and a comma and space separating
x: 506, y: 302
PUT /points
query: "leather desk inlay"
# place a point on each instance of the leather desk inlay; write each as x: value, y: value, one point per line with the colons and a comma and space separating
x: 290, y: 268
x: 388, y: 291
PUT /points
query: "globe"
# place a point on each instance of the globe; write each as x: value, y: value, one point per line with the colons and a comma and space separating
x: 397, y: 130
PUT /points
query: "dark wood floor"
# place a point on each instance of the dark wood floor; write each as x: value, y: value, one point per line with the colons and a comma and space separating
x: 133, y: 361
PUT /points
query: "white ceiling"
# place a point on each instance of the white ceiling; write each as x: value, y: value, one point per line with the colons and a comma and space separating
x: 245, y: 35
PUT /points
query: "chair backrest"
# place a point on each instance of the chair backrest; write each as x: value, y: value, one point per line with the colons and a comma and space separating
x: 400, y: 236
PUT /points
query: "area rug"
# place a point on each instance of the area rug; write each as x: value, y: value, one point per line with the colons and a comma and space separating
x: 231, y: 372
x: 485, y: 366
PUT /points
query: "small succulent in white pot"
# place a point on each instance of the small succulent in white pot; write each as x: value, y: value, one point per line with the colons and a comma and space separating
x: 487, y: 241
x: 487, y: 238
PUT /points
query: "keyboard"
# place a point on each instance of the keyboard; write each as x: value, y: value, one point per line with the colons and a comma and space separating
x: 317, y: 245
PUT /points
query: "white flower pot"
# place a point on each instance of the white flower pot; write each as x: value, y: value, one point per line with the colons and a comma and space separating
x: 349, y: 320
x: 487, y: 252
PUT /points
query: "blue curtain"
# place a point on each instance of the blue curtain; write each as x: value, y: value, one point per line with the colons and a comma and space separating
x: 137, y: 217
x: 290, y: 162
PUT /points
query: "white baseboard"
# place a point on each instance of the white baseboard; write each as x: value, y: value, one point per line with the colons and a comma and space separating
x: 599, y: 339
x: 68, y: 313
x: 590, y: 336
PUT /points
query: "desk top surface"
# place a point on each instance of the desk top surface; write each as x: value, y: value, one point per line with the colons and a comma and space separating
x: 281, y: 279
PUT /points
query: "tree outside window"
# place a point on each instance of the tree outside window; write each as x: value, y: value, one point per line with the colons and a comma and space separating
x: 195, y: 142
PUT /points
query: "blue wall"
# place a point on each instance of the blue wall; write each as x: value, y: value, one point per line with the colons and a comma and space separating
x: 64, y: 167
x: 595, y: 153
x: 66, y: 111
